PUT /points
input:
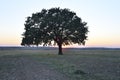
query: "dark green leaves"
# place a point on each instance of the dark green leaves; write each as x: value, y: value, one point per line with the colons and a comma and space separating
x: 54, y: 26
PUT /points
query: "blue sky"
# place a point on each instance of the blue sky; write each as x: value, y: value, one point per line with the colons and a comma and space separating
x: 102, y: 16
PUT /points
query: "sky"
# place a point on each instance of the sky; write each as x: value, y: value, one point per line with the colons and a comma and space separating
x: 102, y: 16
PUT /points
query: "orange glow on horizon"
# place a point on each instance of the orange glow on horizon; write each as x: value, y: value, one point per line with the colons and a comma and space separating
x: 91, y: 42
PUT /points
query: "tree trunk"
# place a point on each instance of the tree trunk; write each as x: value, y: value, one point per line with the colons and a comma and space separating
x: 60, y: 49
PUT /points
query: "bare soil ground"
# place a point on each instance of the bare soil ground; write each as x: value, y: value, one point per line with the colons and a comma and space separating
x: 47, y: 65
x: 25, y: 68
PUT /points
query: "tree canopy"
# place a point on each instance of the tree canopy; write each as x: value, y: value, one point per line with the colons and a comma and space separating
x: 54, y: 26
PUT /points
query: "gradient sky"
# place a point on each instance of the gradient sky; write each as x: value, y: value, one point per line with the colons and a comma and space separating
x: 102, y: 16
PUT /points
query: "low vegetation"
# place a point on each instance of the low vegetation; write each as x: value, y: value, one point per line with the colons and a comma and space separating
x: 77, y: 65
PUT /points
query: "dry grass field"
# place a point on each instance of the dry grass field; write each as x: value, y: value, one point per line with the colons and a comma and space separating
x: 73, y: 65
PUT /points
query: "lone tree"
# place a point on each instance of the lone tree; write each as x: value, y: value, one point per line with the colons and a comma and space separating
x: 54, y: 26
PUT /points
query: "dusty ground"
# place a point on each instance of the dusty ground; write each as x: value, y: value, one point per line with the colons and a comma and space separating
x: 47, y: 65
x: 25, y: 68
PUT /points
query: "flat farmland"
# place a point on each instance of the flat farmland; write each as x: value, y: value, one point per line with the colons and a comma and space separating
x: 47, y: 65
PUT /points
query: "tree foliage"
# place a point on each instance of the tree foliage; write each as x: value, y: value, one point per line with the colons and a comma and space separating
x: 54, y: 26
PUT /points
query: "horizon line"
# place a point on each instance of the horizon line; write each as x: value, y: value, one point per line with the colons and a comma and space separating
x: 63, y: 46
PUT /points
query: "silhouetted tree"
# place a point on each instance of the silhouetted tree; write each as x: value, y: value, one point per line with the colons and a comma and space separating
x: 54, y: 26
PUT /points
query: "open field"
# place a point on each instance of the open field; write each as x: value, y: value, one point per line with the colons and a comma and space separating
x: 47, y: 65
